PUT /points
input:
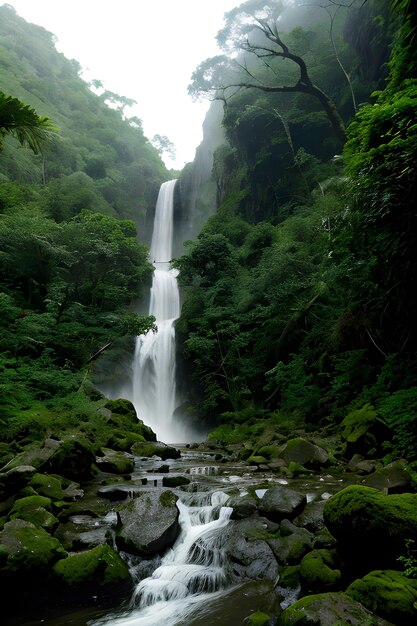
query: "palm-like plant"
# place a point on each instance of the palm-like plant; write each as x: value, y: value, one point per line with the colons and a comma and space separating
x: 21, y: 121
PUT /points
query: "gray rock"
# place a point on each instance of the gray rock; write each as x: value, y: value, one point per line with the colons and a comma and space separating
x: 115, y: 462
x: 280, y: 503
x: 250, y: 557
x: 304, y: 453
x: 291, y: 544
x: 14, y: 479
x: 393, y: 478
x: 312, y: 516
x: 148, y: 525
x: 243, y: 506
x: 361, y: 465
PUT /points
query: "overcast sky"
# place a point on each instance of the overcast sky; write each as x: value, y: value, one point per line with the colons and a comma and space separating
x: 141, y: 49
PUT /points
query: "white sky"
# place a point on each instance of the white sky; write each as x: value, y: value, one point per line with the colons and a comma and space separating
x: 141, y: 49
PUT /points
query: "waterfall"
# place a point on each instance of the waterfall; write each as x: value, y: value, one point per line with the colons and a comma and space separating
x: 190, y: 574
x: 154, y: 393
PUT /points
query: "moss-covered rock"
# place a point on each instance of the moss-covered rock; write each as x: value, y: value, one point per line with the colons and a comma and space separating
x: 305, y: 453
x: 175, y: 481
x: 149, y: 449
x: 291, y: 543
x: 35, y: 509
x: 320, y: 571
x: 14, y: 479
x: 92, y: 570
x: 289, y: 576
x: 370, y: 527
x: 124, y: 416
x: 115, y: 462
x: 26, y: 549
x: 329, y: 609
x: 72, y: 459
x: 48, y: 486
x: 258, y: 619
x: 280, y: 502
x: 388, y: 593
x: 393, y: 478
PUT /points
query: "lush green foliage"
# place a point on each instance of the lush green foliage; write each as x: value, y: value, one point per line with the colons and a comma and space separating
x: 301, y: 292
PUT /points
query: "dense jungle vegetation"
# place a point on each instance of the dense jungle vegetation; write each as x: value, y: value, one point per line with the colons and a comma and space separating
x: 77, y: 180
x: 300, y: 302
x: 299, y: 293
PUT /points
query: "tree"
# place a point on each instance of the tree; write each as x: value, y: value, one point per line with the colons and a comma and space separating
x: 22, y: 122
x: 252, y: 28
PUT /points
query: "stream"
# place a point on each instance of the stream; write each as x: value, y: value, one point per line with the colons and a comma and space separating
x: 189, y: 585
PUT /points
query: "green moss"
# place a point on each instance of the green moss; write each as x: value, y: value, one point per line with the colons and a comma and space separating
x: 31, y: 502
x: 289, y: 576
x: 39, y: 517
x: 98, y: 567
x: 358, y: 422
x: 319, y: 571
x: 269, y: 452
x: 47, y: 486
x: 257, y: 460
x: 27, y: 549
x: 363, y: 520
x: 168, y: 498
x: 258, y: 619
x: 295, y: 469
x: 388, y: 593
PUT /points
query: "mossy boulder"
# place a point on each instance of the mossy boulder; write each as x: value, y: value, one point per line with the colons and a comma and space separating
x: 329, y: 609
x: 363, y: 430
x: 149, y: 449
x: 73, y: 459
x: 14, y: 479
x: 26, y: 550
x: 115, y: 462
x: 175, y: 481
x: 394, y: 478
x: 290, y: 543
x: 36, y: 454
x: 124, y: 416
x: 304, y: 453
x: 258, y: 619
x: 35, y: 509
x: 320, y: 571
x: 370, y: 527
x: 289, y: 577
x: 269, y: 452
x: 92, y: 570
x: 46, y: 485
x: 388, y: 593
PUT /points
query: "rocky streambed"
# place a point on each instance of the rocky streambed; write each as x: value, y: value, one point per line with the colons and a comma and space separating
x: 196, y: 536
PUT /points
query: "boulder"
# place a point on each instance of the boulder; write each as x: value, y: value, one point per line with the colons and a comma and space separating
x: 72, y: 459
x: 320, y: 571
x: 123, y: 415
x: 329, y: 609
x: 290, y: 543
x: 393, y: 478
x: 371, y: 528
x: 388, y: 593
x: 149, y: 449
x: 249, y: 555
x: 243, y: 506
x: 363, y: 430
x: 312, y: 517
x: 14, y: 479
x: 115, y: 462
x: 280, y: 502
x: 175, y: 481
x: 34, y: 509
x: 92, y: 571
x: 26, y: 550
x: 148, y: 525
x: 46, y: 485
x: 305, y: 453
x: 361, y: 465
x: 36, y: 454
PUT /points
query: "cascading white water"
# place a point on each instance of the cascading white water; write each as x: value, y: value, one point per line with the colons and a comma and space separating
x: 154, y: 393
x: 190, y: 574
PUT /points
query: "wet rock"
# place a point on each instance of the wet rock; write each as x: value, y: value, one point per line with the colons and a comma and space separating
x: 389, y: 593
x: 304, y: 453
x: 36, y: 454
x: 72, y: 459
x: 14, y: 479
x: 243, y: 506
x: 328, y: 609
x: 92, y: 572
x: 46, y: 485
x: 360, y: 465
x: 250, y: 557
x: 148, y: 525
x: 312, y: 516
x: 115, y: 462
x: 280, y: 502
x: 34, y: 509
x: 175, y: 481
x: 291, y: 543
x: 149, y: 449
x: 27, y: 550
x: 393, y: 478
